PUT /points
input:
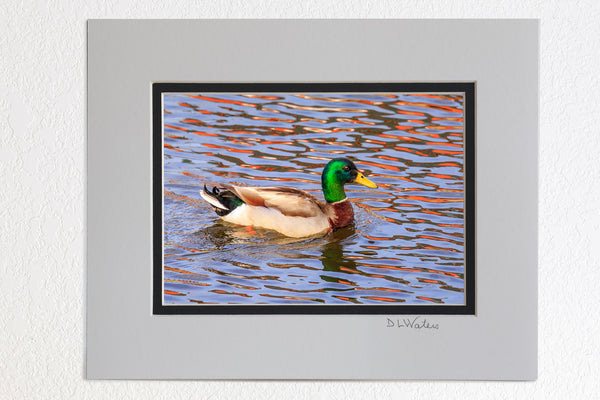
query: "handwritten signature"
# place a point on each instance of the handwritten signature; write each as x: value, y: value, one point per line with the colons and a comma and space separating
x: 411, y: 323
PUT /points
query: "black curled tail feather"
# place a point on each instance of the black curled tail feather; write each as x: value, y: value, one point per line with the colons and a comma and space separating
x: 223, y: 201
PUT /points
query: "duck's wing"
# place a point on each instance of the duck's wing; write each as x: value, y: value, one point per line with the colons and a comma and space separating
x: 290, y: 201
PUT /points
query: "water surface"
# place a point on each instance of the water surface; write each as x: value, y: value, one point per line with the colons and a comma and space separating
x: 406, y: 245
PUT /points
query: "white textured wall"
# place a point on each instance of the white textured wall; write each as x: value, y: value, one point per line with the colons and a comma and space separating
x: 42, y: 175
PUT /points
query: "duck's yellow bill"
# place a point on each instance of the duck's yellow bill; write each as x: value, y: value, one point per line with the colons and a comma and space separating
x: 360, y: 178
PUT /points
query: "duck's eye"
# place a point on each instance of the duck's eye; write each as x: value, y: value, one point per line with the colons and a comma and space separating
x: 346, y: 168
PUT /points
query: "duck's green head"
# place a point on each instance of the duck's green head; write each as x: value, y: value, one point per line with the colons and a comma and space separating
x: 336, y: 174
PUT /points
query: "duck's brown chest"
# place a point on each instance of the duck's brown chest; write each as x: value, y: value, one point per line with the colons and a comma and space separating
x: 342, y: 214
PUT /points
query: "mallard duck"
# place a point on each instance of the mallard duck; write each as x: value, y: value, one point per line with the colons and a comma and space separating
x: 289, y: 211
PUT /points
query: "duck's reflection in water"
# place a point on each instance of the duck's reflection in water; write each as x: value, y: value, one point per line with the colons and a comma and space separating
x: 333, y: 256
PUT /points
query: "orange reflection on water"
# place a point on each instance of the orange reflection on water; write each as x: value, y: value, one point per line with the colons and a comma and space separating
x: 187, y: 282
x: 262, y: 97
x: 191, y: 175
x: 439, y: 238
x: 172, y: 293
x: 432, y: 200
x: 429, y: 134
x: 239, y: 103
x: 233, y: 293
x: 168, y: 146
x: 443, y: 144
x: 272, y: 119
x: 433, y: 281
x: 322, y: 121
x: 176, y: 127
x: 432, y: 96
x: 240, y: 142
x: 412, y: 151
x: 317, y: 130
x: 378, y: 165
x: 186, y: 248
x: 292, y: 297
x: 282, y: 130
x: 277, y: 142
x: 382, y: 289
x: 440, y: 176
x: 432, y: 212
x: 439, y: 301
x: 415, y: 269
x: 418, y: 114
x: 203, y: 133
x: 451, y: 225
x: 346, y: 299
x: 354, y: 121
x: 243, y: 132
x: 182, y: 271
x: 437, y: 151
x: 430, y: 106
x: 450, y: 164
x: 439, y: 248
x: 320, y: 108
x: 216, y: 146
x: 443, y: 128
x: 388, y: 158
x: 413, y: 181
x: 403, y: 138
x: 456, y: 119
x: 237, y: 285
x: 342, y: 100
x: 387, y: 299
x: 376, y: 238
x: 271, y: 110
x: 374, y: 141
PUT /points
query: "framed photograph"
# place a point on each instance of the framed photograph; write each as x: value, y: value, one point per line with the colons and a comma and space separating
x: 314, y: 198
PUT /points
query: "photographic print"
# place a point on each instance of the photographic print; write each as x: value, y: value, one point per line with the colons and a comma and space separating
x: 313, y: 198
x: 426, y: 258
